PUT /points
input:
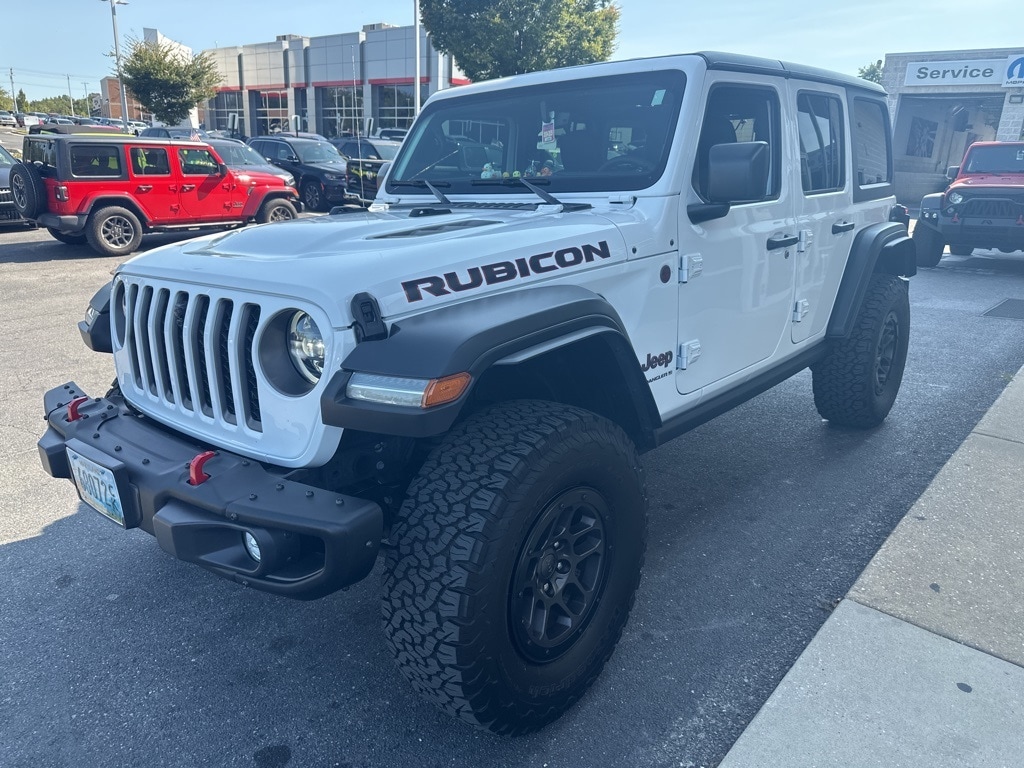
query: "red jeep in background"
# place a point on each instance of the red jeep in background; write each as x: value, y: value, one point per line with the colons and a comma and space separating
x: 983, y: 207
x: 108, y: 191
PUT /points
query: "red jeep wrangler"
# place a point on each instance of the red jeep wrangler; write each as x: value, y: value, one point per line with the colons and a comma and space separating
x: 108, y: 191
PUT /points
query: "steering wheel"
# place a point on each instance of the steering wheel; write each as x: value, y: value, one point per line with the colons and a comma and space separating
x: 628, y: 164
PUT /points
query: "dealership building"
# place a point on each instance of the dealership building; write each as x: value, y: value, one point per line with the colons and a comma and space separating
x: 943, y: 101
x: 350, y: 82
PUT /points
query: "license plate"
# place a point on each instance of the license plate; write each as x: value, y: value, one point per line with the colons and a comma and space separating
x: 96, y: 486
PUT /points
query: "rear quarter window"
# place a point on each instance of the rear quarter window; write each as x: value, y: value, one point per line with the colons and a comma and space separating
x: 871, y: 139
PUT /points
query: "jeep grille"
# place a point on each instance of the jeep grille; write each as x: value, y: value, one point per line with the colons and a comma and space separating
x: 194, y: 352
x: 992, y: 208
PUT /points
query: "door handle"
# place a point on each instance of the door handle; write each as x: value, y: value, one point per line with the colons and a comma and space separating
x: 143, y: 187
x: 846, y: 226
x: 172, y: 188
x: 187, y: 187
x: 774, y: 243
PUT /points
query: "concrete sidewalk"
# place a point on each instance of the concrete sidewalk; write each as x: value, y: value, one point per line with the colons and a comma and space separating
x: 922, y: 664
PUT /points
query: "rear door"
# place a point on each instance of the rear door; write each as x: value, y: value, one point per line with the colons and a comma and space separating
x: 154, y: 183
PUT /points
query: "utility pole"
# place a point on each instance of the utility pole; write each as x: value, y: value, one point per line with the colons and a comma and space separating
x: 13, y: 97
x: 72, y: 98
x: 85, y: 92
x: 117, y: 59
x: 416, y: 77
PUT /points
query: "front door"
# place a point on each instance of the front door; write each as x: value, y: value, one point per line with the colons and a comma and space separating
x: 205, y: 194
x: 737, y: 271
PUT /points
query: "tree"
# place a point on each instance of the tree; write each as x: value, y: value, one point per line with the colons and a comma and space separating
x: 166, y: 81
x: 495, y: 38
x: 872, y: 72
x: 6, y: 102
x: 22, y: 101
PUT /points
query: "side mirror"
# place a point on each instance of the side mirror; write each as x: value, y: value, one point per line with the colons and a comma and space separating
x: 292, y: 159
x: 737, y: 173
x: 952, y: 172
x: 222, y: 169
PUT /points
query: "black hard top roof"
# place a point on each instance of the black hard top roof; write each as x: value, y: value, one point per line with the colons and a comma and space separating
x: 736, y: 62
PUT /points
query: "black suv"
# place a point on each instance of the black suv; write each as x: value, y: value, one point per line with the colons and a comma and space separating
x: 366, y: 159
x: 318, y: 168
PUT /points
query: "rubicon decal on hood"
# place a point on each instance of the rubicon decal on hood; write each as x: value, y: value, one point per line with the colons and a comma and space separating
x: 503, y: 271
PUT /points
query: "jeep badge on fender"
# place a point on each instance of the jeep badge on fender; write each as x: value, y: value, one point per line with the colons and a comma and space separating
x: 560, y: 271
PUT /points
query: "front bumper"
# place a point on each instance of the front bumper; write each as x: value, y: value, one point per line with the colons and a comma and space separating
x: 984, y: 231
x: 314, y: 542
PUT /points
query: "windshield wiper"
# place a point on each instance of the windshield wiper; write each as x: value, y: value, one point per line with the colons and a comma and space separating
x: 423, y: 183
x: 512, y: 182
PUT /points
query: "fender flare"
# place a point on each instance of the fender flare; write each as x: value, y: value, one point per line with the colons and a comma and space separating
x: 474, y: 336
x: 884, y: 247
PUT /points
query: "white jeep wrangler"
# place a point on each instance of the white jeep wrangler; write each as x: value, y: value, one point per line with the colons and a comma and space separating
x: 562, y: 271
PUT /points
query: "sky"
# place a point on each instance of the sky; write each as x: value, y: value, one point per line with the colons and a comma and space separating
x: 48, y: 43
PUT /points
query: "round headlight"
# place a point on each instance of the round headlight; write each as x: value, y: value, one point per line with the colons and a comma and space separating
x: 306, y: 346
x: 956, y: 198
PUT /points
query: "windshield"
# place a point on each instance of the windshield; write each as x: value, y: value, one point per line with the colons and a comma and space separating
x: 996, y: 159
x: 239, y: 154
x: 387, y: 151
x: 599, y: 134
x: 320, y: 152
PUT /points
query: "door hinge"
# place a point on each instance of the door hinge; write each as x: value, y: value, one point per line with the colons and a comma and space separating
x: 690, y: 266
x: 689, y: 351
x: 806, y: 240
x: 800, y: 310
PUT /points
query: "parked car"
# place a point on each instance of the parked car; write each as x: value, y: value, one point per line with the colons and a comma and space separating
x: 463, y: 383
x: 365, y: 159
x: 7, y: 119
x: 318, y: 168
x: 8, y: 213
x: 173, y: 133
x: 393, y: 134
x: 243, y: 158
x: 109, y: 190
x: 981, y: 208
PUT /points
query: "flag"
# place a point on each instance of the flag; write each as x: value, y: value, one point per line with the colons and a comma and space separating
x: 194, y: 136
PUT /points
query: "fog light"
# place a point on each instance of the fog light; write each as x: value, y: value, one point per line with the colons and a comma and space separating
x: 251, y: 546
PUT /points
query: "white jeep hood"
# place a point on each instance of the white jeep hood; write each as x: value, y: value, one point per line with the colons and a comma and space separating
x: 408, y: 263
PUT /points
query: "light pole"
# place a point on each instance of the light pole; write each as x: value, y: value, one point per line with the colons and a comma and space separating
x: 117, y: 59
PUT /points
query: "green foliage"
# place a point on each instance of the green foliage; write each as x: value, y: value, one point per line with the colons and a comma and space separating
x: 496, y: 38
x: 872, y: 72
x: 61, y: 105
x: 5, y: 101
x: 22, y: 101
x: 166, y: 82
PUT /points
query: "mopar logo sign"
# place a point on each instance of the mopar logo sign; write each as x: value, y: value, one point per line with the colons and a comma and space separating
x: 1014, y: 72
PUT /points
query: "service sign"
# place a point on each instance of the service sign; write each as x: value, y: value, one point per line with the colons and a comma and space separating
x: 962, y: 72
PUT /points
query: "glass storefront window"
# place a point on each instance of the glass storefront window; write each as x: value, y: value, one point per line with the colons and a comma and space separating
x: 271, y: 112
x: 342, y: 111
x: 222, y: 106
x: 395, y: 105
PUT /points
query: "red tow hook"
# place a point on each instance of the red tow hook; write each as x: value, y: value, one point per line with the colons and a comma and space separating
x: 196, y: 475
x: 73, y: 406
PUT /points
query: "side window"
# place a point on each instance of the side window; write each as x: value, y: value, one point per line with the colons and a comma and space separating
x: 260, y: 146
x: 197, y: 162
x: 872, y: 152
x: 822, y: 154
x: 150, y: 162
x: 740, y: 113
x: 95, y: 160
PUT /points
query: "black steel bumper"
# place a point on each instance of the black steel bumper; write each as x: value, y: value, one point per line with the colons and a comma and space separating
x: 312, y: 541
x: 68, y: 225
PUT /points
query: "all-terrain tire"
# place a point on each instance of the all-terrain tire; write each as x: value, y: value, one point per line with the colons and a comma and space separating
x: 857, y: 382
x: 929, y: 245
x: 961, y: 250
x: 313, y: 195
x: 113, y: 231
x: 275, y: 210
x: 27, y: 190
x: 76, y: 239
x: 514, y: 563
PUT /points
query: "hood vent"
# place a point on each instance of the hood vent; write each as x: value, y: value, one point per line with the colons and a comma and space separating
x: 436, y: 229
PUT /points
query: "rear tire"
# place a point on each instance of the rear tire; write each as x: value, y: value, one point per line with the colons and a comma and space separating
x: 961, y: 250
x: 275, y: 210
x: 76, y: 239
x: 857, y: 383
x: 516, y: 558
x: 27, y: 190
x: 113, y: 231
x: 929, y: 245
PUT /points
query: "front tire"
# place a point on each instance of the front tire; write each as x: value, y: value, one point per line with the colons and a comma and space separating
x: 961, y: 250
x: 113, y: 231
x: 929, y: 246
x: 312, y: 195
x: 857, y: 383
x: 516, y: 558
x: 275, y: 210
